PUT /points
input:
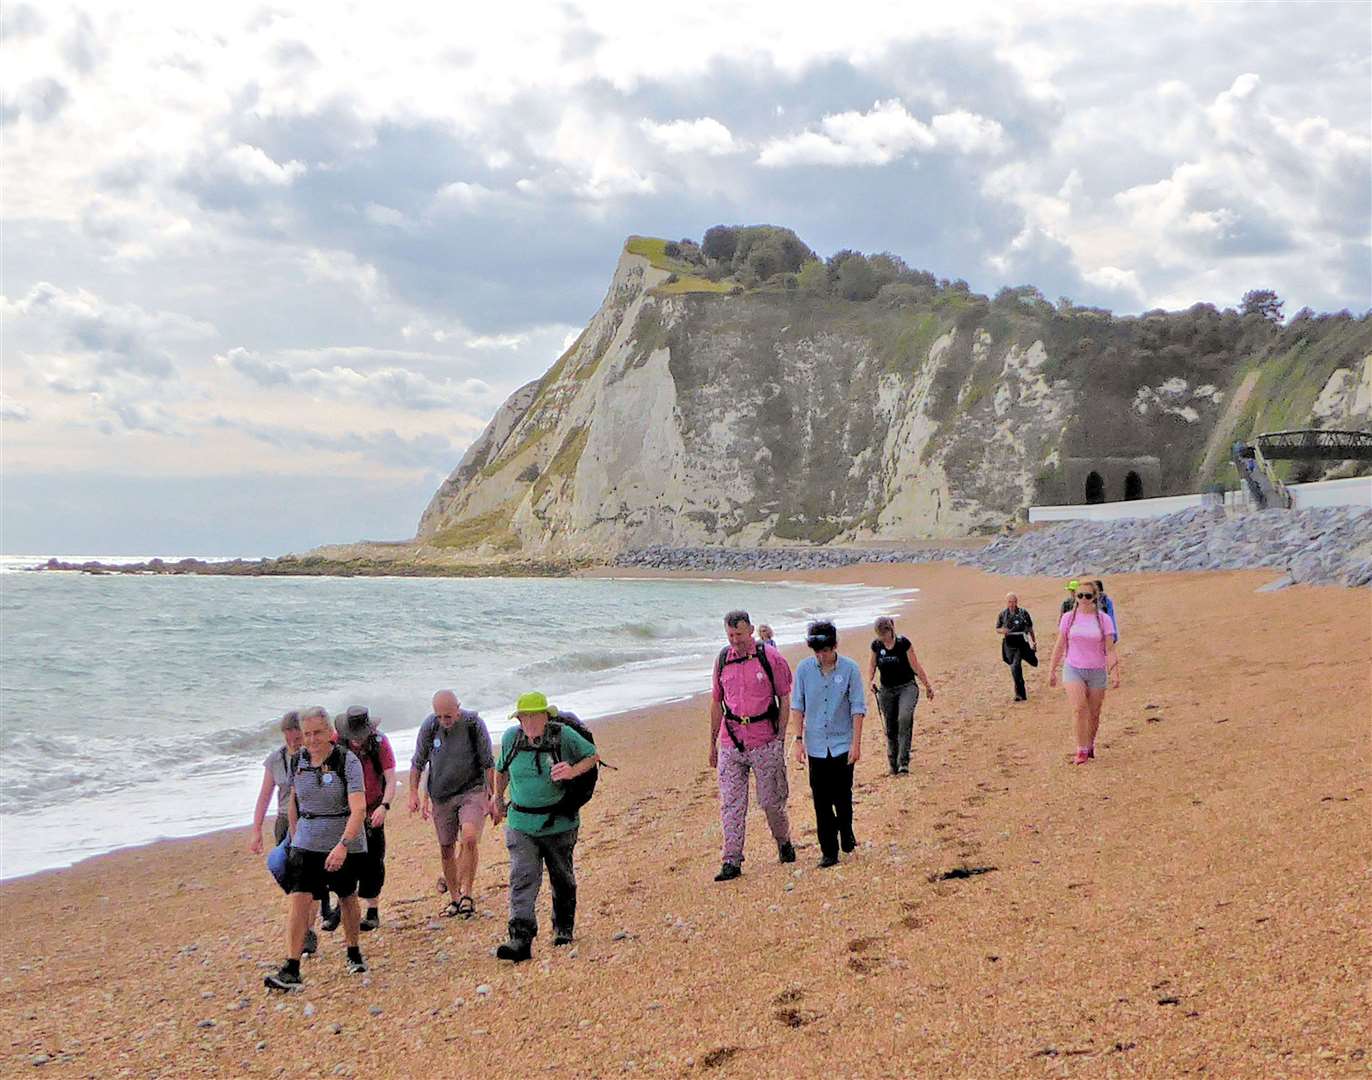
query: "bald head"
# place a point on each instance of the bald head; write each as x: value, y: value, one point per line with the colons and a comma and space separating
x: 447, y: 708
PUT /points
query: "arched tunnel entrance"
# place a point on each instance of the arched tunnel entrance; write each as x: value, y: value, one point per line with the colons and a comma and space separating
x: 1095, y: 487
x: 1133, y: 486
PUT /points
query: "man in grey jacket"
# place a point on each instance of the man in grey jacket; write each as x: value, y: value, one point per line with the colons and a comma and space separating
x: 456, y: 747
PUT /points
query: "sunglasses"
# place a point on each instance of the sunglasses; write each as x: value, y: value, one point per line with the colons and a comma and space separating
x: 1086, y: 596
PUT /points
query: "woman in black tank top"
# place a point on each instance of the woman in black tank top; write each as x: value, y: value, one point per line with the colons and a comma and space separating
x: 894, y: 659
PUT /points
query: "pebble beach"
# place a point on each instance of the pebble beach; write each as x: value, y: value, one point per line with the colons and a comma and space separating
x: 1194, y: 901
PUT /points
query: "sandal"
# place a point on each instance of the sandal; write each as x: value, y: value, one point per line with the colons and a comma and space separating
x: 451, y: 910
x: 465, y: 906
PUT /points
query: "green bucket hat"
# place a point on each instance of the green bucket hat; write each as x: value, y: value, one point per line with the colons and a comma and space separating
x: 533, y: 701
x: 1072, y: 585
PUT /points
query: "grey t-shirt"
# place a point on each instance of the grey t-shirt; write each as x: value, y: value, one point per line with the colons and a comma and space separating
x: 320, y: 791
x: 457, y: 758
x: 278, y: 763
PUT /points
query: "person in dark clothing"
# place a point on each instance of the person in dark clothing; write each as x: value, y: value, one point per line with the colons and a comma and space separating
x: 1017, y: 643
x: 897, y: 695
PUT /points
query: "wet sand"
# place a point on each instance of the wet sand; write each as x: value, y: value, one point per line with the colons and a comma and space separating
x: 1197, y: 900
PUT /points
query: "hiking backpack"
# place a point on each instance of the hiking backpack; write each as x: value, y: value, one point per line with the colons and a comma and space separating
x: 773, y: 712
x: 576, y: 792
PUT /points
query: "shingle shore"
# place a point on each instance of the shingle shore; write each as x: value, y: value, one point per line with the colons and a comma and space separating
x: 1328, y: 546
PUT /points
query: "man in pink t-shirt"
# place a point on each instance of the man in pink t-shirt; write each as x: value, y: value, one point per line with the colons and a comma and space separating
x: 750, y: 707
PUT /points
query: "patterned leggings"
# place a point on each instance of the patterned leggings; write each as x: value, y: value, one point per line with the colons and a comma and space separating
x: 768, y: 764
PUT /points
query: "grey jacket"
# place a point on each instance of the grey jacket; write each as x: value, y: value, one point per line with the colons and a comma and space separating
x: 457, y: 759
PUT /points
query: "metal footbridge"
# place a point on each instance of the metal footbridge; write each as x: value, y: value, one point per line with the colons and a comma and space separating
x: 1303, y: 444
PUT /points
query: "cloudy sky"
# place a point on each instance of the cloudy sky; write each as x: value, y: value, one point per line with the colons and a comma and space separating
x: 267, y: 272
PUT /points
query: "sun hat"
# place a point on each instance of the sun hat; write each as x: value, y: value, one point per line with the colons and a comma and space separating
x: 1072, y: 585
x: 533, y: 701
x: 355, y: 723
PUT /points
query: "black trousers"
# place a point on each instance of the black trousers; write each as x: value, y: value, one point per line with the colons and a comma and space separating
x: 1016, y: 652
x: 831, y: 784
x: 372, y: 875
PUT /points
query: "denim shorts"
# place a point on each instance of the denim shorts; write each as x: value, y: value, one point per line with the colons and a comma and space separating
x: 1093, y: 677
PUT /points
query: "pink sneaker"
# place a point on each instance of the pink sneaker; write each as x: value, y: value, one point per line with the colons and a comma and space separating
x: 1081, y: 758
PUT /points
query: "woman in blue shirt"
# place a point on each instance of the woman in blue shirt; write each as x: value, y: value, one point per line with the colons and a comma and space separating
x: 829, y: 704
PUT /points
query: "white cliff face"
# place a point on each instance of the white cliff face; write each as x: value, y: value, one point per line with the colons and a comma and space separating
x: 1346, y: 400
x: 770, y: 418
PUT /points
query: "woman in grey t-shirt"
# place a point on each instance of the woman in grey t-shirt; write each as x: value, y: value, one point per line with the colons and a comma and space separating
x: 276, y: 777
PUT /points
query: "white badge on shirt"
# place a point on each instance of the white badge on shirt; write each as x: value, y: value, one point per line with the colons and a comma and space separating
x: 438, y: 743
x: 328, y: 778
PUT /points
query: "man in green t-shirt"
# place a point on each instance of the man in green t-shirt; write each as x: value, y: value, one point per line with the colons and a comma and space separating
x: 536, y: 760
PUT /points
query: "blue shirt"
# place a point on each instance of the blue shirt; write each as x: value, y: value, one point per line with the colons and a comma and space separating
x: 829, y: 703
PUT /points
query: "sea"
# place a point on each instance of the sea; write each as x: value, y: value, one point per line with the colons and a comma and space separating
x: 140, y: 707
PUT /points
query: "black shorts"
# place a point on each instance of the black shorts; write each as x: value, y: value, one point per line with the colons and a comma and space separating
x: 305, y: 873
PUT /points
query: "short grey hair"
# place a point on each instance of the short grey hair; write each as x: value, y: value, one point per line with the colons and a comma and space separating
x: 737, y: 616
x: 884, y: 623
x: 314, y: 711
x: 290, y: 721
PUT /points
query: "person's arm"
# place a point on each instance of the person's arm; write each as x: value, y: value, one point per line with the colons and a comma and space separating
x: 857, y: 704
x: 1059, y: 648
x: 1001, y: 628
x: 485, y: 757
x: 502, y: 781
x: 1112, y: 657
x: 379, y: 814
x: 872, y: 672
x: 422, y: 748
x: 259, y: 811
x: 1029, y: 631
x: 716, y: 714
x: 562, y: 772
x: 292, y: 814
x: 799, y: 740
x: 357, y: 815
x: 919, y: 672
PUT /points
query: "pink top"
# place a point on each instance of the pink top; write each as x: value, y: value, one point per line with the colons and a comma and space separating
x: 1085, y: 646
x: 746, y: 689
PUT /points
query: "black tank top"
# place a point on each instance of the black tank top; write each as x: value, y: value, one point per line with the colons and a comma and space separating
x: 893, y: 664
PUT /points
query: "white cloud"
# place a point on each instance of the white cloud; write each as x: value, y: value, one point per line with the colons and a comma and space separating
x: 15, y: 411
x: 252, y: 166
x: 704, y: 136
x: 384, y: 387
x: 1112, y: 279
x: 968, y: 133
x: 883, y: 134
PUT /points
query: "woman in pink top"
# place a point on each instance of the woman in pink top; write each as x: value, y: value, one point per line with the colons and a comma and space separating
x: 1086, y: 640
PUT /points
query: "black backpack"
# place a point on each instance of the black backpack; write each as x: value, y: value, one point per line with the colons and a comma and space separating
x: 773, y: 712
x: 576, y: 792
x: 336, y: 763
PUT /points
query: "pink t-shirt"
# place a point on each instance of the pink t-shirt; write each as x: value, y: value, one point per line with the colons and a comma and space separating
x: 1085, y: 646
x: 745, y: 687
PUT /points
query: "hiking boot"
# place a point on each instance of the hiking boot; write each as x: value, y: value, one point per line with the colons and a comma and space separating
x: 786, y: 852
x: 562, y: 937
x: 848, y: 843
x: 311, y: 944
x: 731, y: 870
x: 356, y: 965
x: 332, y: 918
x: 286, y: 978
x: 516, y: 950
x: 828, y: 861
x: 372, y: 921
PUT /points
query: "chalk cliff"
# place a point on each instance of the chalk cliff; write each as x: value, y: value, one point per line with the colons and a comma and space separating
x: 692, y: 412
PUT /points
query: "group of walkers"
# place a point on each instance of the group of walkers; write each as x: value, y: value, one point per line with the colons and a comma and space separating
x: 335, y: 782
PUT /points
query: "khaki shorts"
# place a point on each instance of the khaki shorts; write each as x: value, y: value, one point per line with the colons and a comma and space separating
x: 450, y: 814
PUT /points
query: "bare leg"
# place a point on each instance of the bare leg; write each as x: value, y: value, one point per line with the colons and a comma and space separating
x: 352, y: 916
x: 301, y: 906
x: 447, y: 854
x: 1081, y: 712
x: 466, y: 860
x: 1095, y: 700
